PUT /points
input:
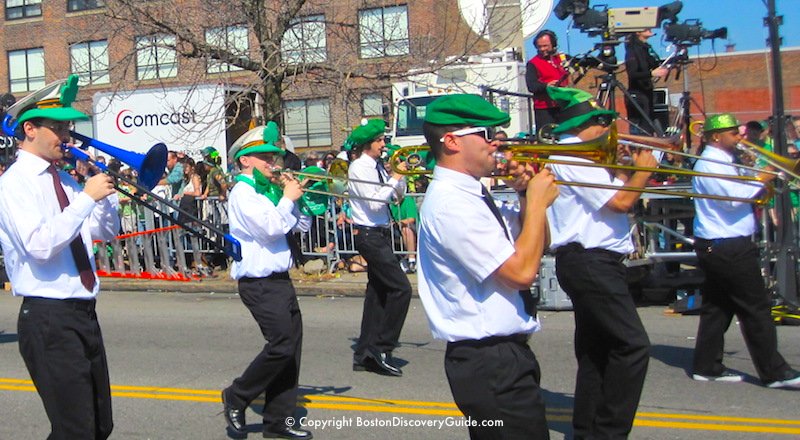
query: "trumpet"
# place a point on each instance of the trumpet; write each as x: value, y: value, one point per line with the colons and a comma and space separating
x: 602, y: 153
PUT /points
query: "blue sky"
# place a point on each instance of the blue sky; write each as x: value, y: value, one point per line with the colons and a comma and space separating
x: 743, y: 18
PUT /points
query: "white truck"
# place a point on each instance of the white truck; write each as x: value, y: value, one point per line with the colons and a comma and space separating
x: 500, y: 71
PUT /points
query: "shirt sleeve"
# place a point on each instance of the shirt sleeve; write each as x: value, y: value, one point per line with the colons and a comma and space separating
x: 391, y: 189
x: 257, y: 215
x: 29, y: 222
x: 595, y: 197
x: 724, y: 187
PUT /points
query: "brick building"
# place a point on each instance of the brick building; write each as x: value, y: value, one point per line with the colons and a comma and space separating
x: 339, y: 64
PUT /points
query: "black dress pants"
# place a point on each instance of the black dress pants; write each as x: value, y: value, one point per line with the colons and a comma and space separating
x: 497, y: 378
x: 611, y: 344
x: 388, y: 293
x: 62, y: 346
x: 276, y: 369
x: 734, y: 286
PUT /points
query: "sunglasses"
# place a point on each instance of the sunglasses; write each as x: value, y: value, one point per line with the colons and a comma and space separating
x: 488, y: 133
x: 604, y: 120
x: 58, y: 126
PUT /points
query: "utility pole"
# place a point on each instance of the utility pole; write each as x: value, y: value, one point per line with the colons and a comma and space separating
x: 786, y: 239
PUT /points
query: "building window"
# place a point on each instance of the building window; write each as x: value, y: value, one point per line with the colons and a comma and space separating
x: 156, y: 57
x: 308, y: 122
x: 16, y: 9
x: 373, y: 104
x: 230, y: 38
x: 90, y: 62
x: 26, y: 69
x: 305, y: 41
x: 383, y: 32
x: 84, y: 5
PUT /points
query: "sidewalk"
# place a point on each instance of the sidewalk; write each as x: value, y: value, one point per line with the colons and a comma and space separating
x: 337, y: 284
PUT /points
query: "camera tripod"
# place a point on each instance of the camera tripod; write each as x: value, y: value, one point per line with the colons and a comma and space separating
x: 606, y: 97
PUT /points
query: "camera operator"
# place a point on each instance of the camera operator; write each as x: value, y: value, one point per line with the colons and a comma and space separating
x: 642, y: 65
x: 544, y: 70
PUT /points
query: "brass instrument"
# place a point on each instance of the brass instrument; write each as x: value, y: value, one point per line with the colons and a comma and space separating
x: 602, y: 153
x: 331, y: 184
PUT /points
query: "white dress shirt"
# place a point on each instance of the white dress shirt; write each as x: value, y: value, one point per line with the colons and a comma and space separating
x: 372, y: 212
x: 579, y: 213
x: 36, y: 234
x: 461, y: 244
x: 720, y: 218
x: 261, y: 229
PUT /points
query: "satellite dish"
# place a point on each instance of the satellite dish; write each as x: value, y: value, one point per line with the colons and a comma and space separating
x: 534, y: 13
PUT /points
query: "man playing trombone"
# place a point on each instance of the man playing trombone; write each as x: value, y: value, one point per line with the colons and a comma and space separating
x: 729, y: 258
x: 591, y: 237
x: 388, y: 291
x: 476, y: 267
x: 47, y: 224
x: 262, y: 217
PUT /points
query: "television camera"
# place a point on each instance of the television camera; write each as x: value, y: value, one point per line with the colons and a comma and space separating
x: 691, y: 31
x: 601, y: 20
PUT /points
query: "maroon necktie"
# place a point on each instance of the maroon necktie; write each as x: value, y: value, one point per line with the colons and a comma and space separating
x: 76, y: 246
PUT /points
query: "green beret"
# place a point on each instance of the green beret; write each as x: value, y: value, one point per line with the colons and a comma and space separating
x: 368, y: 131
x: 575, y: 108
x: 724, y: 121
x: 53, y: 101
x: 465, y: 109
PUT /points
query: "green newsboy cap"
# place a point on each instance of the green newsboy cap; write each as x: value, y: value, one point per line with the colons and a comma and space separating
x: 465, y: 109
x: 575, y: 108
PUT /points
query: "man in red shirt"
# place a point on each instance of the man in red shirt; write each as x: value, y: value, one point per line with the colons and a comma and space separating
x: 544, y: 70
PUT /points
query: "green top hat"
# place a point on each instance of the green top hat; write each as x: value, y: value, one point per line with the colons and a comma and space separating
x: 576, y: 108
x: 53, y: 101
x: 466, y: 110
x: 368, y: 131
x: 253, y: 142
x: 724, y: 121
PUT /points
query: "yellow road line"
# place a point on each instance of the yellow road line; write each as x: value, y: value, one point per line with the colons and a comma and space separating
x: 446, y: 409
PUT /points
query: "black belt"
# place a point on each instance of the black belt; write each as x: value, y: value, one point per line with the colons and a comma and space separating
x: 372, y: 228
x: 85, y: 305
x: 272, y: 276
x: 521, y: 338
x: 713, y: 241
x: 577, y: 247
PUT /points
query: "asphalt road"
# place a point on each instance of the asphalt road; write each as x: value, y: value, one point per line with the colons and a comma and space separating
x: 171, y: 353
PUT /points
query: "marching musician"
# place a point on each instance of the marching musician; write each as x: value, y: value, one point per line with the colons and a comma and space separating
x: 591, y: 237
x: 388, y: 292
x: 733, y: 283
x: 477, y: 263
x: 47, y: 224
x: 545, y: 69
x: 262, y: 218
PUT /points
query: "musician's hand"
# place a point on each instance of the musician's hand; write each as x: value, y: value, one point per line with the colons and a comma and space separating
x: 99, y: 186
x: 542, y: 189
x: 644, y: 158
x: 659, y: 72
x: 521, y: 174
x: 401, y: 166
x: 292, y: 189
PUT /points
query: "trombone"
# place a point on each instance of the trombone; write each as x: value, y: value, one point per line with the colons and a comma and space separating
x: 602, y: 153
x: 333, y: 183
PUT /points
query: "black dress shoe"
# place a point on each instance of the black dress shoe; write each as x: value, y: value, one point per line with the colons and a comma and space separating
x: 380, y: 363
x: 287, y: 432
x: 234, y: 417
